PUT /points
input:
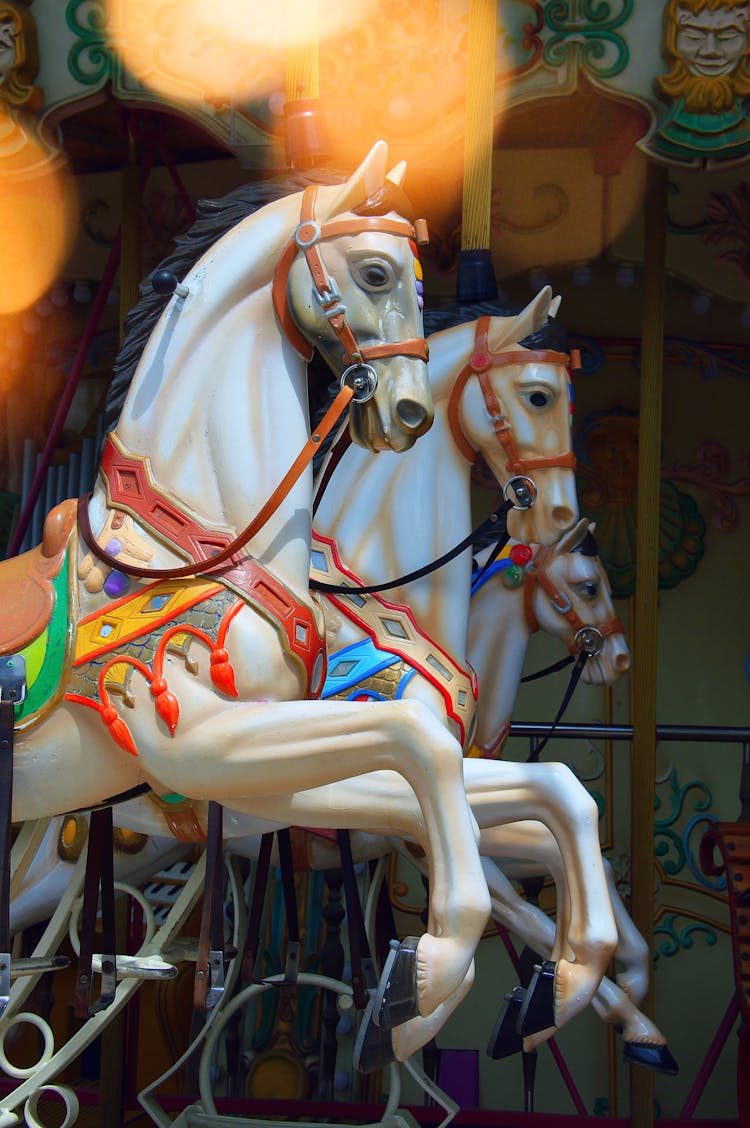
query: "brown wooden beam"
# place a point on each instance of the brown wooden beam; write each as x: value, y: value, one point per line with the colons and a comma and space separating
x: 644, y: 675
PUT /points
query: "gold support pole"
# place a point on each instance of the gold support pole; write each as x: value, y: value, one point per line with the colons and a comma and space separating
x: 480, y: 122
x: 476, y: 278
x: 643, y: 753
x: 302, y: 56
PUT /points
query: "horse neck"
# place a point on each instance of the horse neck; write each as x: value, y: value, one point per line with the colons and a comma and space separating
x: 218, y: 403
x: 498, y: 640
x: 392, y: 513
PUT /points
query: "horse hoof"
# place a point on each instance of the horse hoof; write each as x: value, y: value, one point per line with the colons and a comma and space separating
x: 505, y: 1039
x: 373, y: 1047
x: 651, y: 1055
x: 538, y: 1007
x: 396, y: 997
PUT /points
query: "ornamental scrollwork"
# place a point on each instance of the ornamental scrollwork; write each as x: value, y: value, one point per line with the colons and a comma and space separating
x: 590, y: 28
x: 555, y: 206
x: 676, y: 939
x: 89, y: 59
x: 712, y: 471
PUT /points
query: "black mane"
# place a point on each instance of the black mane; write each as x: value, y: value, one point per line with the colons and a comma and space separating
x: 215, y: 218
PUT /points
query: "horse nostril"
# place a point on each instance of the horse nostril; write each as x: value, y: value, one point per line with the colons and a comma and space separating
x: 622, y: 663
x: 564, y: 517
x: 412, y: 414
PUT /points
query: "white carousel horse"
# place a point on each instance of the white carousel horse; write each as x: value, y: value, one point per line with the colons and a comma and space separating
x: 563, y: 577
x: 215, y: 413
x: 562, y: 590
x: 538, y: 441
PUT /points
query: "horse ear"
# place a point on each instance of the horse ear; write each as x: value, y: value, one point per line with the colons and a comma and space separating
x: 554, y: 306
x: 397, y: 174
x: 592, y: 527
x: 533, y: 317
x: 361, y: 185
x: 573, y: 537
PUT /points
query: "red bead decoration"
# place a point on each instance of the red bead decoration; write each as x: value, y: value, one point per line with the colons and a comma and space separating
x: 521, y: 554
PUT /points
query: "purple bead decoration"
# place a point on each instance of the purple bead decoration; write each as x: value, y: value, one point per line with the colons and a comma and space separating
x: 114, y: 548
x: 116, y: 584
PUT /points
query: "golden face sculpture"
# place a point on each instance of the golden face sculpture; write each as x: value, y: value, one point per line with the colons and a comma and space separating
x: 712, y: 44
x: 18, y: 55
x: 707, y: 46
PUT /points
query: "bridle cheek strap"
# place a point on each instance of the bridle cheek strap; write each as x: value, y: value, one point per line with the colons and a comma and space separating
x: 307, y: 238
x: 480, y: 364
x: 536, y: 576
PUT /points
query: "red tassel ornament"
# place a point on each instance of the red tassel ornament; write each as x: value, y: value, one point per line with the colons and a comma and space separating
x: 118, y: 730
x: 222, y: 672
x: 167, y: 705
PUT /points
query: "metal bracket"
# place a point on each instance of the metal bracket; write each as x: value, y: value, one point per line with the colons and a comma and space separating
x: 13, y: 679
x: 216, y: 974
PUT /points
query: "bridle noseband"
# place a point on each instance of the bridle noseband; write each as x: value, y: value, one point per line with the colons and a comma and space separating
x: 584, y: 637
x: 480, y: 364
x: 358, y: 372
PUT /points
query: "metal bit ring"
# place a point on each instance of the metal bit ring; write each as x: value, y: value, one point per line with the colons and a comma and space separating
x: 362, y: 379
x: 523, y: 490
x: 589, y: 640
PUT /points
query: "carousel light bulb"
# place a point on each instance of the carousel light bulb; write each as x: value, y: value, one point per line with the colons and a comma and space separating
x: 625, y: 275
x: 701, y: 303
x: 59, y: 295
x: 582, y: 275
x: 44, y: 306
x: 82, y: 293
x: 113, y: 297
x: 31, y: 324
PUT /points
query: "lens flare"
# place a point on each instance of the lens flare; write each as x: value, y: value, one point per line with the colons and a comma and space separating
x: 38, y: 195
x: 223, y: 51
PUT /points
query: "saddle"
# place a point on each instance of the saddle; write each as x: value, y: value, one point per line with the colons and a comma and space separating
x: 26, y: 592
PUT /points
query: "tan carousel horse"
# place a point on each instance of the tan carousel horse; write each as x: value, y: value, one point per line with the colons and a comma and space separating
x: 201, y: 677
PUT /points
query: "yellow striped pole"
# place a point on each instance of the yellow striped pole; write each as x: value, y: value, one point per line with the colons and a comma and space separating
x: 476, y: 279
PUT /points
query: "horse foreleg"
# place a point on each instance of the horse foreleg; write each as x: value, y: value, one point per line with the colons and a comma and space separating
x: 644, y: 1041
x: 533, y: 842
x: 503, y: 792
x: 264, y: 755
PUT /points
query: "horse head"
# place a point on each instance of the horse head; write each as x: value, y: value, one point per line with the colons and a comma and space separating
x: 568, y: 596
x: 353, y: 291
x: 512, y: 405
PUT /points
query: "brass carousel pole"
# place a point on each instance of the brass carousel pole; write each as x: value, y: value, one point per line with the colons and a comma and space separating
x: 643, y: 752
x: 476, y: 278
x: 307, y: 141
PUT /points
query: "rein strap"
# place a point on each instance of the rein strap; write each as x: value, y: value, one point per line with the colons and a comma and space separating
x: 196, y: 568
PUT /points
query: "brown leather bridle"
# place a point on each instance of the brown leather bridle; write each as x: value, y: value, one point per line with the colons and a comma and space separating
x: 358, y: 380
x: 480, y: 364
x: 583, y: 636
x: 306, y: 239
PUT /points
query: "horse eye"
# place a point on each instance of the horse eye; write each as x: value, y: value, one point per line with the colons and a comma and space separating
x: 591, y: 588
x: 539, y: 399
x: 374, y: 275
